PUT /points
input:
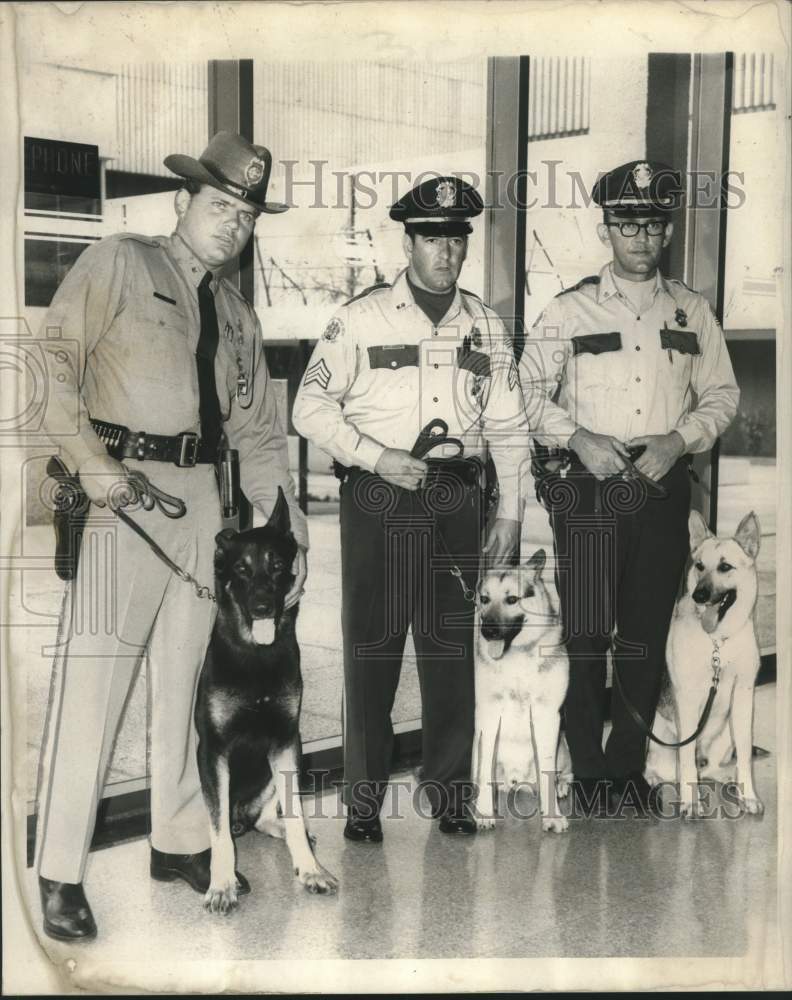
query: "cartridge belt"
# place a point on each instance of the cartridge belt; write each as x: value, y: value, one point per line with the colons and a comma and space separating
x: 184, y: 450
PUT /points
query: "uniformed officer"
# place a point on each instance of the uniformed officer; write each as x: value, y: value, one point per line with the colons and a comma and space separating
x: 626, y: 366
x: 154, y: 341
x: 389, y: 362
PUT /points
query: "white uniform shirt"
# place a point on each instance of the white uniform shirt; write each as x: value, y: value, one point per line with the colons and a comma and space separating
x: 624, y: 374
x: 381, y: 371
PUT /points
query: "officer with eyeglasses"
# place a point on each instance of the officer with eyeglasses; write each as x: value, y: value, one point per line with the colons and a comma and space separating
x: 623, y: 376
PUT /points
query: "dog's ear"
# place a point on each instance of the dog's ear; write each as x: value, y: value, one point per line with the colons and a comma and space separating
x: 748, y: 535
x: 698, y: 529
x: 280, y: 519
x: 537, y: 562
x: 223, y: 541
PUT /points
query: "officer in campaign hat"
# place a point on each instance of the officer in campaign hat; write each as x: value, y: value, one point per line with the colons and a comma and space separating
x: 167, y: 368
x: 390, y: 362
x: 626, y: 373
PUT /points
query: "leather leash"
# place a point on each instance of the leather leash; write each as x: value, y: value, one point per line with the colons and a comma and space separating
x: 150, y: 496
x: 716, y: 668
x: 434, y: 434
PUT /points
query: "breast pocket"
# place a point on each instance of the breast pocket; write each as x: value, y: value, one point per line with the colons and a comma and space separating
x: 596, y: 357
x: 160, y: 346
x: 393, y: 357
x: 681, y: 341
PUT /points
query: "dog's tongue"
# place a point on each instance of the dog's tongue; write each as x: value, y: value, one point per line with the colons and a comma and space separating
x: 495, y: 648
x: 709, y: 618
x: 263, y: 630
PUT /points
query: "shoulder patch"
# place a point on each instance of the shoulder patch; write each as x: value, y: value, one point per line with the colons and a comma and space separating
x: 333, y: 330
x: 592, y: 279
x: 367, y: 291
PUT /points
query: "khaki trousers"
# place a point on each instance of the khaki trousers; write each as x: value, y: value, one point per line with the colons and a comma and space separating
x: 125, y: 603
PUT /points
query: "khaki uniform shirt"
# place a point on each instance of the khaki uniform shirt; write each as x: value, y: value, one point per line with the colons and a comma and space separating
x: 381, y: 371
x: 128, y: 318
x: 591, y: 362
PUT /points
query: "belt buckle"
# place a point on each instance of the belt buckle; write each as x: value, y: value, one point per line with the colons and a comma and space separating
x: 188, y: 455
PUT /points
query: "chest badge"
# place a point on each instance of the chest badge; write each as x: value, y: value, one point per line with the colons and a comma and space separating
x: 228, y: 331
x: 680, y: 317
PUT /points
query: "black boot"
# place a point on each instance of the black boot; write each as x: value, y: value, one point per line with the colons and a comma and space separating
x: 67, y: 915
x: 194, y: 869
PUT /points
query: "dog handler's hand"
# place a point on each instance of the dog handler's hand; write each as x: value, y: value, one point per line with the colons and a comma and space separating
x: 502, y: 542
x: 103, y: 478
x: 401, y: 469
x: 602, y: 454
x: 662, y: 450
x: 300, y: 570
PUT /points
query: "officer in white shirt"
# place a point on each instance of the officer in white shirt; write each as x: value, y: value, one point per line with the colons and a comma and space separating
x: 389, y: 362
x: 627, y: 366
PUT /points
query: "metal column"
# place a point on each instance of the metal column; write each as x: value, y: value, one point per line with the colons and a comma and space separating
x: 506, y: 188
x: 688, y: 126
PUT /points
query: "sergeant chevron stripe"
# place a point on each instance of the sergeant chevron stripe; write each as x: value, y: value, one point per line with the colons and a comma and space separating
x: 318, y: 372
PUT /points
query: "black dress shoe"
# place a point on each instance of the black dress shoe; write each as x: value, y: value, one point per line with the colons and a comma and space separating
x: 67, y: 915
x: 461, y: 823
x: 194, y: 869
x: 590, y: 798
x: 634, y: 792
x: 363, y: 831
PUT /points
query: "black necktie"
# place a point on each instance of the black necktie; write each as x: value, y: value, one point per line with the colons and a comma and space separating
x: 208, y: 403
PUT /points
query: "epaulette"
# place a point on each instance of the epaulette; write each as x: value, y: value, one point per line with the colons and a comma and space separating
x: 368, y: 291
x: 678, y: 281
x: 149, y: 241
x: 473, y: 295
x: 592, y: 279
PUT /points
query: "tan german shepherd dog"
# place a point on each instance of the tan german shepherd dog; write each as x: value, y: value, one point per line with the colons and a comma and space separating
x: 522, y: 673
x: 715, y: 615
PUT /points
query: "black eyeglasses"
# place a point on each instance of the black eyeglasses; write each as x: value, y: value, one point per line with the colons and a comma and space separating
x: 654, y: 228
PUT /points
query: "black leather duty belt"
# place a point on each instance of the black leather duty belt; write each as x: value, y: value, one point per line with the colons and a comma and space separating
x: 466, y: 470
x: 184, y: 450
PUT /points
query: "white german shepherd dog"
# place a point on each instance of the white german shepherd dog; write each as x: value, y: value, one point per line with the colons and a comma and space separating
x: 713, y: 619
x: 521, y: 673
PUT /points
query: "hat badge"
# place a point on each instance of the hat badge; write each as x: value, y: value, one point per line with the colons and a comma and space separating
x: 446, y: 194
x: 254, y: 171
x: 642, y: 174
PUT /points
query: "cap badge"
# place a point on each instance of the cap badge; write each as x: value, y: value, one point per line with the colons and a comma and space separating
x: 642, y: 175
x: 254, y: 171
x: 446, y: 194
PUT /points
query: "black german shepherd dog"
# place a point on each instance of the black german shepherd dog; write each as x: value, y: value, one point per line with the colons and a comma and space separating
x: 247, y: 711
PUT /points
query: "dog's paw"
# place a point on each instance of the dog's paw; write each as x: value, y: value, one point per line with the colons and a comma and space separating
x: 484, y: 822
x: 555, y: 824
x: 318, y: 880
x: 221, y: 899
x: 690, y: 809
x: 752, y: 805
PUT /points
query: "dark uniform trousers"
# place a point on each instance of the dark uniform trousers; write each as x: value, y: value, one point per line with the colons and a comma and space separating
x: 396, y: 574
x: 620, y: 554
